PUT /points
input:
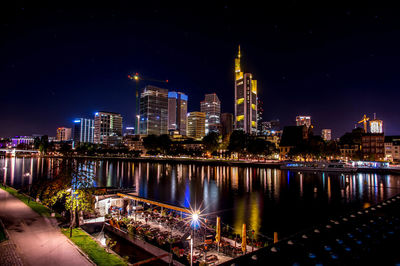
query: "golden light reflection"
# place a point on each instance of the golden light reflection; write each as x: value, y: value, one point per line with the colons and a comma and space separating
x: 235, y: 178
x: 366, y: 205
x: 240, y: 209
x: 255, y: 215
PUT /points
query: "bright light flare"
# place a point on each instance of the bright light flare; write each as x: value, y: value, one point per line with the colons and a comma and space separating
x: 195, y: 217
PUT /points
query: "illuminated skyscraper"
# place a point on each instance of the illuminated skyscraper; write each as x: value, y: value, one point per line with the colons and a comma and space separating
x: 303, y: 120
x: 376, y: 125
x: 211, y: 106
x: 153, y: 111
x: 84, y: 130
x: 260, y: 112
x: 245, y: 99
x: 107, y: 128
x: 63, y: 133
x: 196, y: 125
x: 326, y: 134
x: 177, y: 112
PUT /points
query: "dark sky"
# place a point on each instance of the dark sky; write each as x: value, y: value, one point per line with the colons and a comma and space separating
x: 333, y: 62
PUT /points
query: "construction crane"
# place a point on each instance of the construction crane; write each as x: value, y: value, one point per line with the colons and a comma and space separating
x: 364, y: 121
x: 136, y: 77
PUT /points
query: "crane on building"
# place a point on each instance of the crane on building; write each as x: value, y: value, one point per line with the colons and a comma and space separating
x: 364, y: 120
x: 137, y: 78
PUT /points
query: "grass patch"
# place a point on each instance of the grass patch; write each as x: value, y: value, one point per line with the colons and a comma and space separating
x: 95, y: 252
x: 37, y: 207
x: 2, y: 234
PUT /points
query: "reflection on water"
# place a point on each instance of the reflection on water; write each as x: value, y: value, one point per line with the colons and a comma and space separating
x: 267, y: 200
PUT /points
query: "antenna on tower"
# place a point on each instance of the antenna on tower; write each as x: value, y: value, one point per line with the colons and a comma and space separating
x: 374, y: 116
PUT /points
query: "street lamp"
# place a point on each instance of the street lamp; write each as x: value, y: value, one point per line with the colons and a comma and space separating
x: 194, y: 222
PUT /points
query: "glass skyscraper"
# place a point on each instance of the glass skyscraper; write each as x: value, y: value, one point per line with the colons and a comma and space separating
x: 245, y: 99
x: 84, y: 130
x: 153, y: 111
x: 211, y: 106
x: 177, y: 112
x: 107, y: 128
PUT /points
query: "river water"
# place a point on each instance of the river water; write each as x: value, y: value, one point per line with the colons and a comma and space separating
x: 266, y: 200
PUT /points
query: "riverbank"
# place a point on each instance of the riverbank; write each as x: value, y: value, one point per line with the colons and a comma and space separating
x: 275, y: 164
x: 38, y: 238
x: 185, y: 160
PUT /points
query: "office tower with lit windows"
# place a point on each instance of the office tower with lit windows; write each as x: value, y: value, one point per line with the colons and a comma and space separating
x: 226, y: 124
x: 245, y: 99
x: 326, y: 134
x: 84, y: 130
x: 303, y: 120
x: 196, y: 125
x: 107, y: 128
x: 177, y: 112
x: 211, y: 106
x: 64, y: 133
x: 260, y: 112
x: 153, y: 111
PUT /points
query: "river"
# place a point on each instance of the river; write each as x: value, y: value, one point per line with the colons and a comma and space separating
x: 266, y: 200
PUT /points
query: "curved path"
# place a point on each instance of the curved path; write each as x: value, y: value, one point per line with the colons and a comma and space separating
x: 38, y: 239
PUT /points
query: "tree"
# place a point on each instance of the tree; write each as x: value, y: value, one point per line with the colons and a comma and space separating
x: 73, y: 187
x: 164, y: 143
x: 256, y: 146
x: 150, y: 143
x: 237, y: 141
x: 211, y: 142
x: 65, y: 148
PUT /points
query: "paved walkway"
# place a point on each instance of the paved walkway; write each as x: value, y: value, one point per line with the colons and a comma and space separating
x: 38, y: 239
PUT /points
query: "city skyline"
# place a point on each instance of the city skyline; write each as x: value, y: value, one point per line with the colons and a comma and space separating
x: 318, y: 61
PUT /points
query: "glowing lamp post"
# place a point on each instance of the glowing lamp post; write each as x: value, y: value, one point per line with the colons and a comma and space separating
x: 194, y: 222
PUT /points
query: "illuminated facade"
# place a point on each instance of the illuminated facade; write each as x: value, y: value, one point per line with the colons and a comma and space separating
x: 107, y: 128
x: 64, y: 133
x: 376, y: 126
x: 303, y: 120
x: 211, y: 106
x: 245, y: 99
x: 177, y: 112
x: 392, y: 148
x: 153, y: 111
x: 326, y: 134
x: 84, y: 130
x: 260, y: 112
x: 196, y: 125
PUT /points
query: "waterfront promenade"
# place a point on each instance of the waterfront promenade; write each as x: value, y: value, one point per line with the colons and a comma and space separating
x: 38, y: 239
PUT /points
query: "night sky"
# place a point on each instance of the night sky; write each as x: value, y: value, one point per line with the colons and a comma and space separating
x: 333, y: 62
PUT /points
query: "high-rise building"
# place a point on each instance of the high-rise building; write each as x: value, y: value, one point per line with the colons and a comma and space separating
x: 177, y: 112
x: 226, y: 124
x: 84, y: 130
x: 64, y: 133
x: 260, y: 112
x: 107, y: 128
x: 153, y: 111
x: 196, y: 122
x: 211, y: 106
x: 326, y: 134
x: 376, y: 125
x: 245, y: 99
x: 303, y: 120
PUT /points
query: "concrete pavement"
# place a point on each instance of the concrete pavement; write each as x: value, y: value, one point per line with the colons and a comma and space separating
x: 38, y: 239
